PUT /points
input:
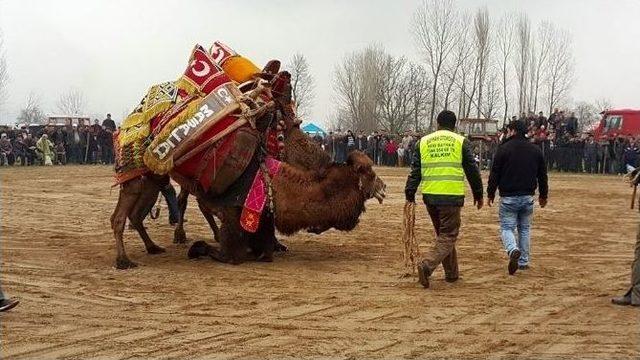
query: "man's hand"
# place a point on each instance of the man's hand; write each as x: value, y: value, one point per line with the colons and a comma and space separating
x: 410, y: 197
x: 542, y: 201
x: 490, y: 201
x: 478, y: 203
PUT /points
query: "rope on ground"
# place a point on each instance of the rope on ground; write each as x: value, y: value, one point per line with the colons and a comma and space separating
x: 411, y: 252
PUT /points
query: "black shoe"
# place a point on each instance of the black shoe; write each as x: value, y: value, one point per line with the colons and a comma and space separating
x: 622, y: 300
x: 451, y: 279
x: 8, y: 304
x: 514, y: 256
x: 423, y: 275
x: 523, y: 267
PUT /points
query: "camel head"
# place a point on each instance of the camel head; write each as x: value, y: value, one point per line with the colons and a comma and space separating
x: 369, y: 183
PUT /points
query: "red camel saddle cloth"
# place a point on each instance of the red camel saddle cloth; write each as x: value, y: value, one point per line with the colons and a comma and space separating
x: 193, y: 122
x: 256, y: 199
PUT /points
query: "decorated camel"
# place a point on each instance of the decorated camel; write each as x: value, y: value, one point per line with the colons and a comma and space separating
x: 215, y: 140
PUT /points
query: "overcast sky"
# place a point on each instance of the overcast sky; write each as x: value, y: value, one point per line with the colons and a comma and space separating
x: 113, y: 50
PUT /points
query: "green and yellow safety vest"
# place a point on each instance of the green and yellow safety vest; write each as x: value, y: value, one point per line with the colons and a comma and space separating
x: 441, y: 163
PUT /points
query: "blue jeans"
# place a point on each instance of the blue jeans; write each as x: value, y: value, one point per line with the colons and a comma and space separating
x: 515, y: 213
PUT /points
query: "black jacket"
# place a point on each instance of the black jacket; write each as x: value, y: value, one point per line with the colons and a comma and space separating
x: 518, y: 168
x: 470, y: 170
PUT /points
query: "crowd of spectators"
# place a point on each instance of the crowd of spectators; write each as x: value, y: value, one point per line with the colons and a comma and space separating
x: 58, y: 144
x: 564, y: 146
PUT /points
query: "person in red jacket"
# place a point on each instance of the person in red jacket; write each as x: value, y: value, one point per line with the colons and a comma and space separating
x: 392, y: 152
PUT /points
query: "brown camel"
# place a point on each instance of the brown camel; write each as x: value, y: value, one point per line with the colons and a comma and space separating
x: 302, y: 200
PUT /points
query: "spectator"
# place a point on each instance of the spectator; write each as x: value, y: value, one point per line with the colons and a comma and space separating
x: 20, y: 149
x: 30, y: 144
x: 591, y: 155
x: 382, y: 150
x: 74, y: 145
x: 61, y: 154
x: 45, y: 149
x: 341, y: 148
x: 361, y: 142
x: 329, y: 145
x: 630, y: 156
x: 391, y: 149
x: 350, y: 142
x: 109, y: 123
x: 106, y: 144
x: 6, y: 151
x: 93, y: 147
x: 518, y: 169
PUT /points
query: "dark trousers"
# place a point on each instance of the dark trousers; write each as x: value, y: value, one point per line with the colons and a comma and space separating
x: 635, y: 273
x: 107, y: 155
x: 446, y: 223
x: 169, y: 194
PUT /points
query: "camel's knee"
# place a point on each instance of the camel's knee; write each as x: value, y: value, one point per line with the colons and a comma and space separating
x: 117, y: 222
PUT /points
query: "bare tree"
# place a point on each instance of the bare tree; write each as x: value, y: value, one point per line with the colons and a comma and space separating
x: 459, y: 58
x: 522, y: 58
x: 435, y: 23
x: 560, y: 70
x: 481, y: 24
x: 32, y: 112
x: 418, y: 93
x: 356, y: 84
x: 602, y: 104
x: 302, y: 83
x: 492, y: 101
x: 393, y: 92
x: 71, y: 103
x: 540, y: 51
x: 505, y: 46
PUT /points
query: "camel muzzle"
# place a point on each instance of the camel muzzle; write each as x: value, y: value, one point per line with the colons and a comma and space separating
x: 379, y: 190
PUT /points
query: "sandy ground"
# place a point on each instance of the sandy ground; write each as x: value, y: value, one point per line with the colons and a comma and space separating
x: 337, y: 295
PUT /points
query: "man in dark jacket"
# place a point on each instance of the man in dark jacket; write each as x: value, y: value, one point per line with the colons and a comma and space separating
x: 518, y: 169
x: 109, y: 123
x: 440, y: 163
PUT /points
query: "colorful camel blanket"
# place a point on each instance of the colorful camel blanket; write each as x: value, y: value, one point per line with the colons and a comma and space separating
x: 182, y: 107
x: 258, y: 194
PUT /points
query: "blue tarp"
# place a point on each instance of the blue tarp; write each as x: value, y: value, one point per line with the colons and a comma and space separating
x: 313, y: 129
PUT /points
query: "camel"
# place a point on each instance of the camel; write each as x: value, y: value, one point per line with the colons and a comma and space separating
x: 138, y: 195
x: 302, y: 200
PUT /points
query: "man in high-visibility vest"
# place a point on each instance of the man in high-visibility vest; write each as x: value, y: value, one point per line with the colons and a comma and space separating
x: 440, y: 163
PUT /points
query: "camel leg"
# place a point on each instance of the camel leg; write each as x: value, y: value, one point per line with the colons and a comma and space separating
x: 147, y: 197
x: 127, y: 198
x: 179, y: 235
x: 232, y: 244
x: 210, y: 220
x: 264, y: 241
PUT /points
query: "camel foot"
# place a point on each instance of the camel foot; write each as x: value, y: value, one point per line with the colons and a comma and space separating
x: 198, y: 249
x: 155, y: 249
x: 280, y: 247
x: 317, y: 230
x: 179, y: 237
x: 264, y: 257
x: 124, y: 263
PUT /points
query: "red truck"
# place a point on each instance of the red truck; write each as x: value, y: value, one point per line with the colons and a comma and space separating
x: 614, y: 123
